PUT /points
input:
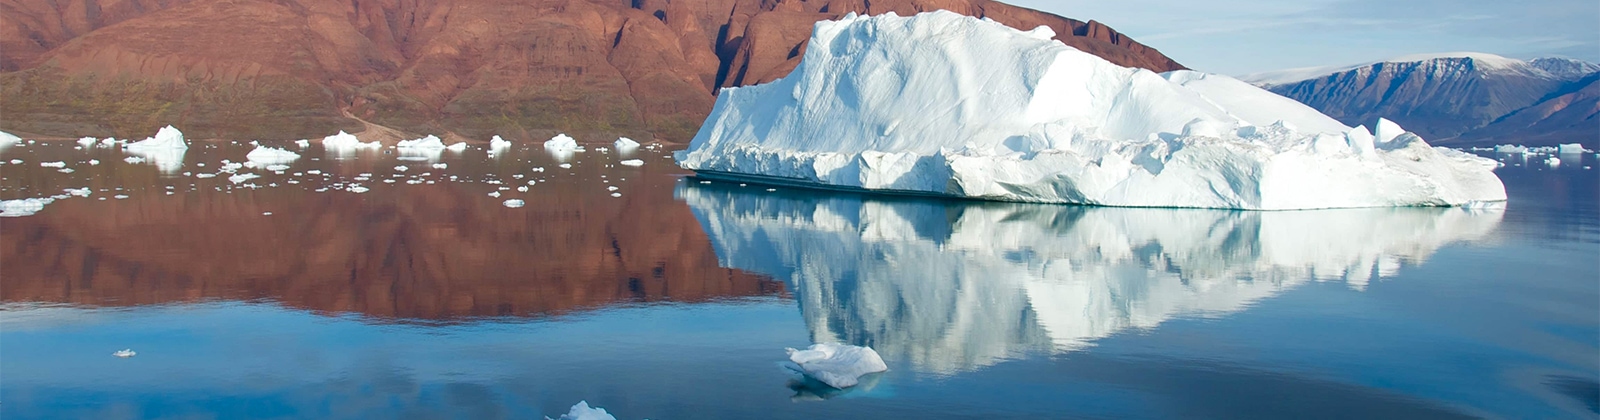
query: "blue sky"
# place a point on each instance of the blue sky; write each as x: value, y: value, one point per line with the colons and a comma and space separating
x: 1246, y: 36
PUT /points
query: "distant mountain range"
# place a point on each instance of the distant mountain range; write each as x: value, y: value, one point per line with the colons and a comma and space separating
x: 287, y: 69
x: 1457, y: 98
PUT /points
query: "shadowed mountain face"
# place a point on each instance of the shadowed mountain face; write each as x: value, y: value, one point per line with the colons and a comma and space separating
x: 434, y: 252
x: 1463, y: 100
x: 294, y: 68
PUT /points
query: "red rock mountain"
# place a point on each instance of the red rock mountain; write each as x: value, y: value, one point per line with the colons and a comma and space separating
x: 302, y: 68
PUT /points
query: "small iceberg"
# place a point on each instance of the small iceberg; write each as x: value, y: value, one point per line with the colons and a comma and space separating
x: 838, y: 365
x: 561, y: 143
x: 23, y: 207
x: 515, y: 203
x: 497, y: 144
x: 125, y: 353
x: 632, y: 162
x: 1570, y: 148
x: 624, y: 144
x: 345, y: 144
x: 582, y: 411
x: 265, y: 156
x: 165, y: 150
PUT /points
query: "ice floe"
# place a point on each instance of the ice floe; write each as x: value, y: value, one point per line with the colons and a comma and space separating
x: 838, y: 365
x: 125, y: 353
x: 946, y: 104
x: 23, y: 207
x: 263, y: 155
x: 632, y: 162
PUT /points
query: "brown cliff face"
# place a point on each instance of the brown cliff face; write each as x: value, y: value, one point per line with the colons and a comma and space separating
x: 292, y: 68
x: 433, y: 252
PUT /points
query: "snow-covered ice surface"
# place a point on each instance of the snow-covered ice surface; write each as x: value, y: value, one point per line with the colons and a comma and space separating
x: 945, y: 104
x: 838, y: 365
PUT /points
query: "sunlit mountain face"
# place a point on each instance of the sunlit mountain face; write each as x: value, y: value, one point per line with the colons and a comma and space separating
x: 953, y: 286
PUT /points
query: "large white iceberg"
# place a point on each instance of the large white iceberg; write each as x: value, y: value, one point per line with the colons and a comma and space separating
x: 945, y: 104
x: 838, y: 365
x: 346, y: 144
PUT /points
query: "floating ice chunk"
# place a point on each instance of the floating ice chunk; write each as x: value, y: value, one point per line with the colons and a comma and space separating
x: 624, y: 144
x: 1553, y: 161
x: 165, y: 150
x: 263, y: 155
x: 459, y: 146
x: 93, y: 162
x: 582, y: 411
x: 561, y: 143
x: 357, y: 189
x: 108, y: 142
x: 514, y: 203
x: 56, y: 164
x: 345, y: 144
x: 87, y: 141
x: 78, y: 192
x: 125, y: 353
x: 205, y: 175
x: 1511, y: 148
x: 1054, y: 124
x: 632, y: 162
x: 401, y: 168
x: 302, y: 143
x: 565, y: 166
x: 1570, y: 148
x: 441, y: 165
x: 236, y: 179
x: 838, y: 365
x: 523, y: 188
x: 66, y: 170
x: 495, y: 194
x: 611, y: 188
x: 278, y: 168
x: 616, y: 194
x: 130, y: 159
x: 497, y: 144
x: 120, y: 196
x: 23, y: 207
x: 8, y: 139
x: 430, y: 142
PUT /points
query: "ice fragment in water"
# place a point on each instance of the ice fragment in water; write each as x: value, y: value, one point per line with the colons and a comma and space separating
x: 838, y: 365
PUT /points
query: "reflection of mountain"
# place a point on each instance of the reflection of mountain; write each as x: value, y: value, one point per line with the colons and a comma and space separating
x: 951, y: 286
x: 430, y: 252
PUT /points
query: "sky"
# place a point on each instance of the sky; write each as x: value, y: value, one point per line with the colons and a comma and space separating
x: 1238, y: 37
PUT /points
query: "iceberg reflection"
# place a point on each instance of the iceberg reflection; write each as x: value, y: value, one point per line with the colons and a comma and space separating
x: 949, y: 286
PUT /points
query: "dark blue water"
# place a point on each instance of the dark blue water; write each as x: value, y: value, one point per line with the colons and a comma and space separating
x: 677, y: 299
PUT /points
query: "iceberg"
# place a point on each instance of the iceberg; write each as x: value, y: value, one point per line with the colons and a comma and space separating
x: 346, y: 144
x: 497, y: 144
x: 8, y: 139
x: 949, y: 105
x: 23, y: 207
x: 624, y: 144
x: 125, y: 353
x: 165, y: 150
x: 838, y: 365
x: 560, y: 145
x: 582, y: 411
x: 87, y: 141
x: 632, y: 162
x: 265, y: 156
x: 1570, y: 148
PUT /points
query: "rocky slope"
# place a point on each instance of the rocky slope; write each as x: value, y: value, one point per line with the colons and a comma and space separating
x: 303, y: 68
x: 1449, y: 99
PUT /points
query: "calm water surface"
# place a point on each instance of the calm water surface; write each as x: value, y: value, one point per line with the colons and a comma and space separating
x: 428, y: 298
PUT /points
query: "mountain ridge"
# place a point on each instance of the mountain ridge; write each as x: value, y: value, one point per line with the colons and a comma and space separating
x: 294, y: 68
x: 1449, y: 99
